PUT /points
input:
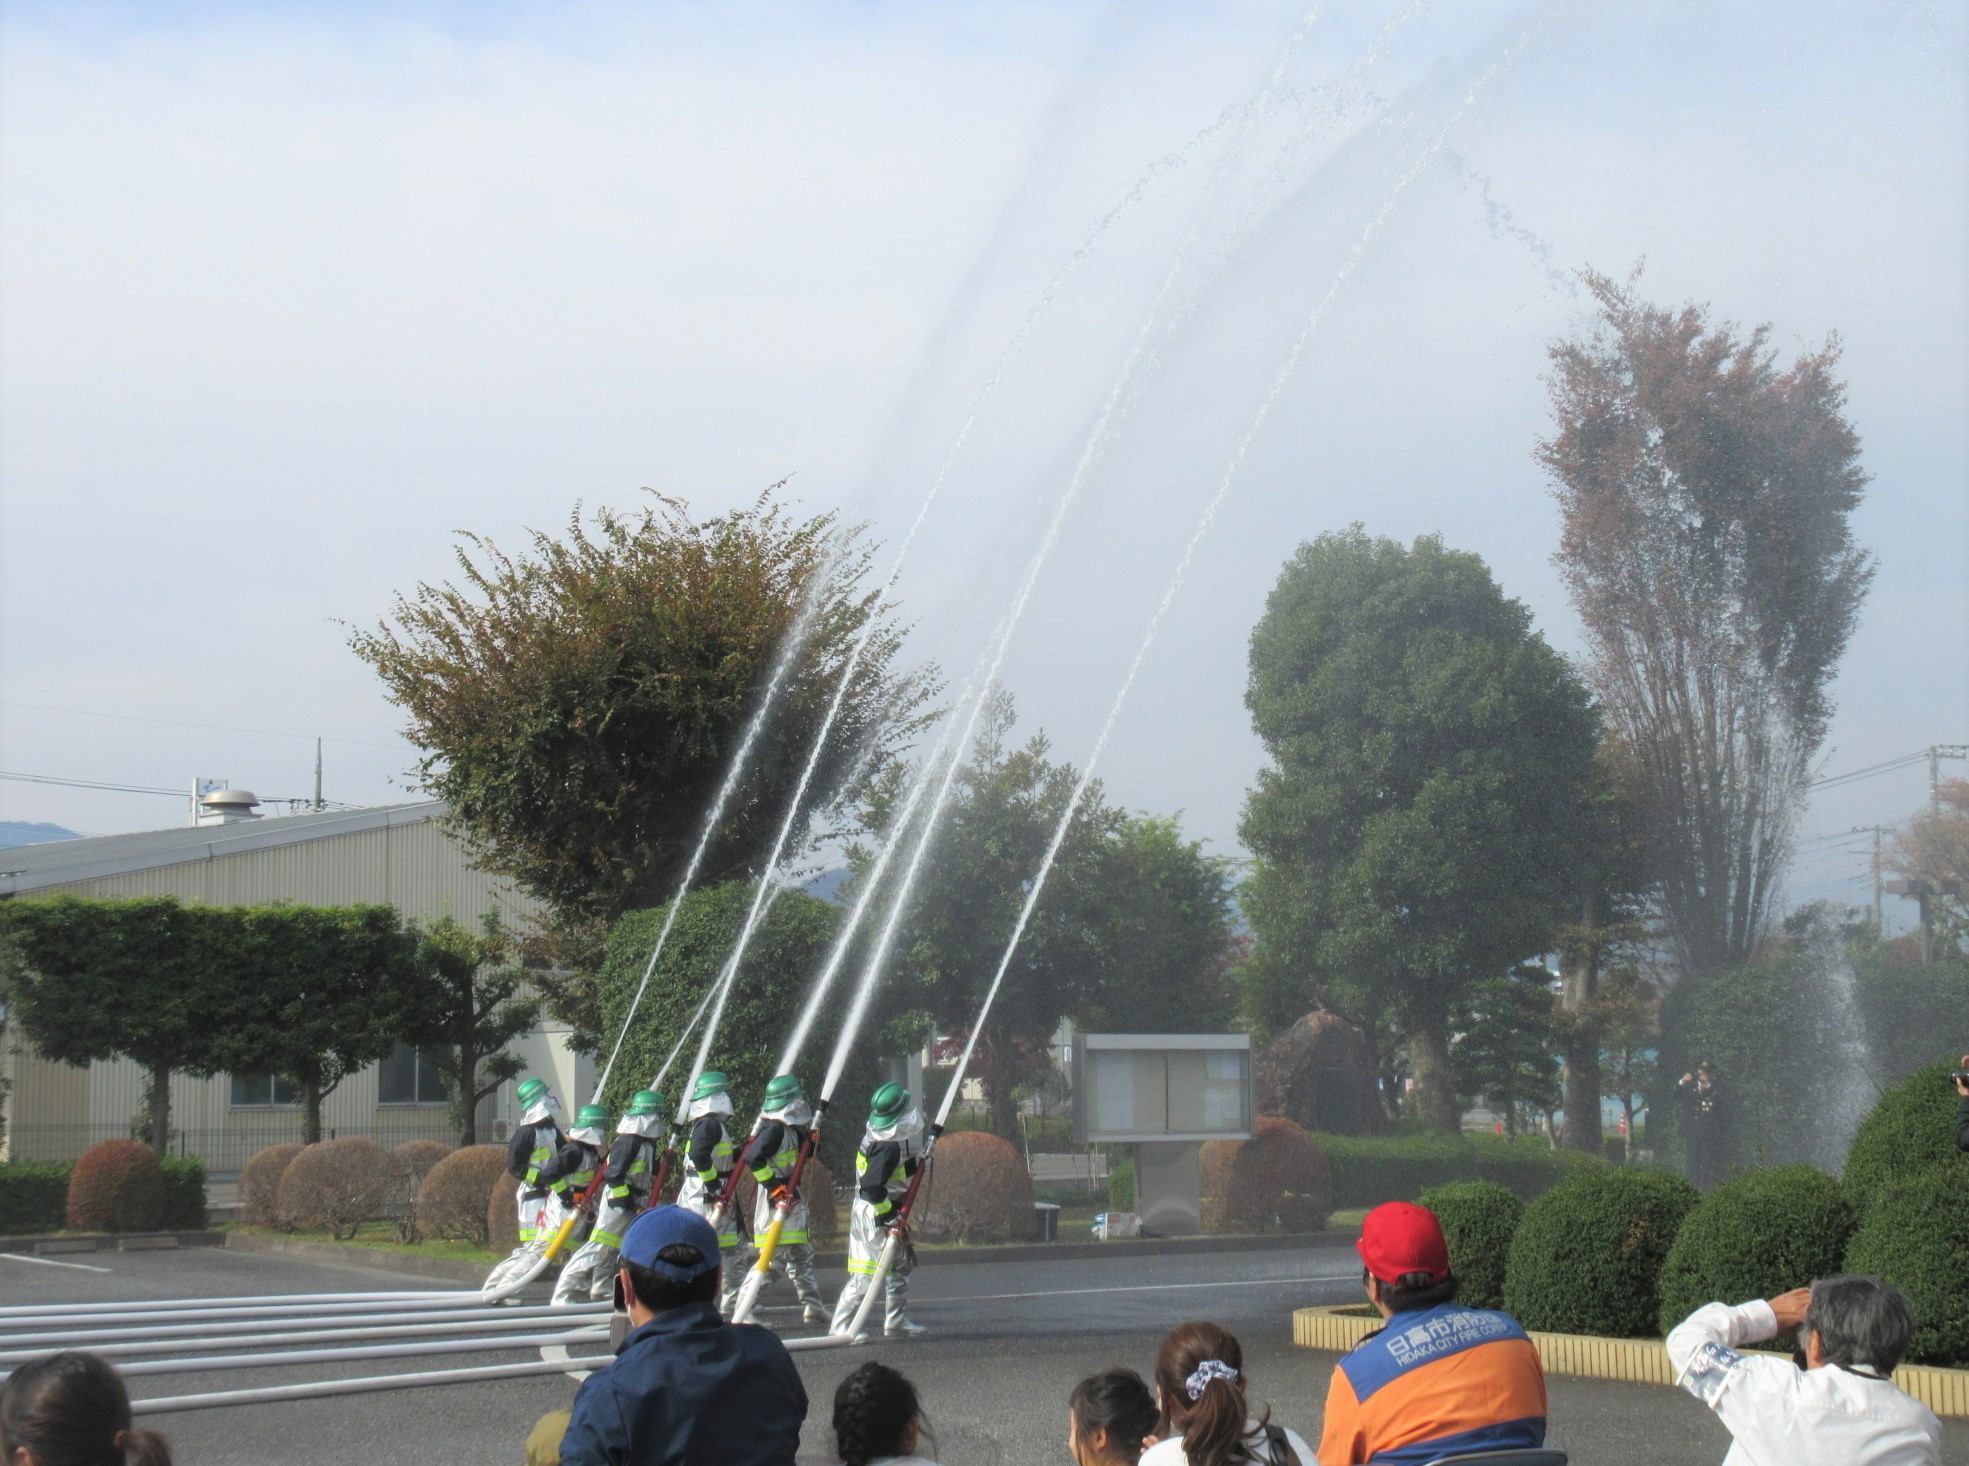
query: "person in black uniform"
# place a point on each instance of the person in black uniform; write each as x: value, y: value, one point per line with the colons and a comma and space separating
x: 1702, y: 1125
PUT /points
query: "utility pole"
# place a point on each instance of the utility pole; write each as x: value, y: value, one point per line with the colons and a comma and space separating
x: 319, y: 807
x: 1936, y: 753
x: 1876, y: 831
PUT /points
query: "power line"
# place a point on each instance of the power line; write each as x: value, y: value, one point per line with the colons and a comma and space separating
x: 96, y: 784
x: 184, y: 723
x: 1906, y: 760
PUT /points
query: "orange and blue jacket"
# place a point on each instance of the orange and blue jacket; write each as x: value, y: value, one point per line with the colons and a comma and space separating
x: 1439, y: 1381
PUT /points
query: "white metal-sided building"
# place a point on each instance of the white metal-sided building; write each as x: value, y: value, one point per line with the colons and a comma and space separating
x: 400, y: 855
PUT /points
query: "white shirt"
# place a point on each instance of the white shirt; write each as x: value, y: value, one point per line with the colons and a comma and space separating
x: 1781, y: 1415
x: 1171, y: 1453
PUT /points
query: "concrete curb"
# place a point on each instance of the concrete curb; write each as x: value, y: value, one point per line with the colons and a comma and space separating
x: 1634, y: 1361
x: 61, y: 1242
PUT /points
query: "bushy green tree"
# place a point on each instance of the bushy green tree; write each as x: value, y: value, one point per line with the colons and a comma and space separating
x: 1166, y: 945
x: 577, y: 705
x: 469, y: 999
x: 1132, y: 931
x: 316, y: 994
x: 148, y: 980
x: 1416, y: 825
x: 1505, y: 1054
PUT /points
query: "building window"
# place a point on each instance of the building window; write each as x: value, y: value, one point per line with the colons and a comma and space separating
x: 409, y: 1077
x: 263, y: 1091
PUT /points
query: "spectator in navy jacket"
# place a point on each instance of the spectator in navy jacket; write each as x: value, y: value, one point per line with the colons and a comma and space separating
x: 686, y: 1387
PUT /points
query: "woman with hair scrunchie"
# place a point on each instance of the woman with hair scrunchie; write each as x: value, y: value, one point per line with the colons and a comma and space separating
x: 878, y: 1421
x: 1206, y: 1421
x: 71, y: 1409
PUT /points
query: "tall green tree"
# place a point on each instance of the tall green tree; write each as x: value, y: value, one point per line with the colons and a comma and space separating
x: 468, y: 999
x: 1167, y: 935
x: 1504, y: 1054
x: 1706, y: 494
x: 316, y: 993
x: 1006, y: 802
x: 577, y: 704
x: 1415, y: 826
x: 148, y: 980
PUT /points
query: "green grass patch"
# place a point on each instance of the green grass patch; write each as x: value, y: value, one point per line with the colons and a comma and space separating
x: 378, y: 1237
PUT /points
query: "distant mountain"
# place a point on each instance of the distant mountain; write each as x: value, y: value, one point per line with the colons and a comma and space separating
x: 20, y: 832
x: 827, y: 885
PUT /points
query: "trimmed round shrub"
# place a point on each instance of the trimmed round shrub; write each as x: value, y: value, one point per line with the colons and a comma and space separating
x: 1277, y: 1178
x: 978, y: 1190
x: 259, y: 1184
x: 502, y: 1211
x: 336, y: 1186
x: 1479, y: 1219
x: 1760, y: 1235
x: 452, y: 1198
x: 1915, y: 1234
x: 118, y: 1186
x: 1911, y: 1128
x: 1587, y: 1255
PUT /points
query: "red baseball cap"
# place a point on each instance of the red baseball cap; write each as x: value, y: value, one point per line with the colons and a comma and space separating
x: 1399, y: 1237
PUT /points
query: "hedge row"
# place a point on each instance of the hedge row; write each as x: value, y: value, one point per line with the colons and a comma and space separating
x: 1371, y: 1169
x: 33, y: 1196
x: 1626, y: 1251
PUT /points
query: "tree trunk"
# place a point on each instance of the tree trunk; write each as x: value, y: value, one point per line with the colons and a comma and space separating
x: 468, y: 1098
x: 157, y: 1100
x: 1579, y: 987
x: 311, y: 1110
x: 1001, y: 1107
x: 1428, y: 1067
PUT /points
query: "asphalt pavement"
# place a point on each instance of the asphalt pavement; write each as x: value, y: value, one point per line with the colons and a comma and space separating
x: 1008, y: 1342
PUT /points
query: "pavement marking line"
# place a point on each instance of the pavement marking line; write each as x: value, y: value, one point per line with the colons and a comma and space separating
x: 51, y: 1262
x: 1137, y: 1288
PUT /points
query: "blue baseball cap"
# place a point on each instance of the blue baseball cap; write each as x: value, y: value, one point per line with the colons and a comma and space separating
x: 670, y: 1226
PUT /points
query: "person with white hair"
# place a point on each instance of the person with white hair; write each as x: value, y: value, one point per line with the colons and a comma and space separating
x: 1842, y: 1409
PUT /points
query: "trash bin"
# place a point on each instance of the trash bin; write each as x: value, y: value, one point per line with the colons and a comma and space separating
x: 1045, y: 1222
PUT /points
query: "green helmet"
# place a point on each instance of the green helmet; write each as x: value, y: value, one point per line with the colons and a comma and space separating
x: 531, y: 1090
x: 646, y: 1102
x: 887, y: 1105
x: 783, y: 1091
x: 710, y: 1082
x: 595, y: 1115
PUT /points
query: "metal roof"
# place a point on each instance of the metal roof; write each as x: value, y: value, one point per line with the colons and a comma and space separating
x: 36, y: 867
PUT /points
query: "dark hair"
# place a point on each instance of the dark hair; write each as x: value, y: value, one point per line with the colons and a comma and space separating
x: 1413, y: 1291
x: 660, y: 1294
x: 872, y: 1411
x: 71, y: 1410
x: 1118, y: 1402
x: 1860, y: 1321
x: 1213, y: 1424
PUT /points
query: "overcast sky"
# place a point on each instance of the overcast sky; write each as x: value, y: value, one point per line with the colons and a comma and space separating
x: 290, y: 294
